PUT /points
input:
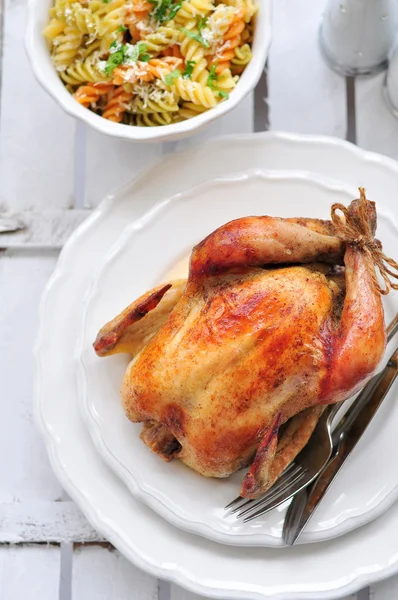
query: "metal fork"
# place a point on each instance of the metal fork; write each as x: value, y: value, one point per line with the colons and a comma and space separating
x: 305, y: 467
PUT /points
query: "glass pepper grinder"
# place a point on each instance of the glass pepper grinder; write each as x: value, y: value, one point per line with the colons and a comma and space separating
x: 357, y: 36
x: 390, y: 86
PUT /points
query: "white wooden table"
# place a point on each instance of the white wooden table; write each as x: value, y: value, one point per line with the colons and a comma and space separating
x: 53, y: 170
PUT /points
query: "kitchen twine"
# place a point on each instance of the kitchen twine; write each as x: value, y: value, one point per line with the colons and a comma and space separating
x: 355, y: 229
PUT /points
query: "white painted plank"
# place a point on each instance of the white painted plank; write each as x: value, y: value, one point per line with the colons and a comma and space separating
x: 377, y: 128
x: 385, y: 590
x: 111, y: 162
x: 178, y: 593
x: 48, y: 228
x: 304, y: 94
x: 25, y: 472
x: 37, y: 138
x: 239, y: 120
x: 29, y: 572
x: 103, y: 574
x: 56, y: 522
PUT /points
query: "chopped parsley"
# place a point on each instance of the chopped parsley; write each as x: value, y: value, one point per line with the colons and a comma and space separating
x: 115, y: 58
x: 106, y: 1
x: 187, y: 74
x: 137, y: 52
x: 169, y: 78
x: 223, y: 94
x: 212, y: 78
x: 142, y: 52
x: 202, y: 23
x: 121, y: 28
x: 125, y: 53
x: 196, y: 36
x: 165, y: 10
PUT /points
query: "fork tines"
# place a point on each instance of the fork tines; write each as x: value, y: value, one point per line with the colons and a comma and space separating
x: 277, y: 494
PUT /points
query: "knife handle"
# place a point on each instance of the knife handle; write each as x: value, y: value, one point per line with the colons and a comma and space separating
x: 305, y: 502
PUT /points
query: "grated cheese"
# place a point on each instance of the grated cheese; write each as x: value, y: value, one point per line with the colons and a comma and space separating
x: 208, y: 35
x: 134, y: 72
x: 153, y: 91
x: 221, y: 49
x: 218, y: 23
x: 115, y: 48
x: 145, y: 27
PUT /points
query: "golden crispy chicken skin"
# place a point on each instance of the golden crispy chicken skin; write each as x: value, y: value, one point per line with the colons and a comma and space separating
x: 234, y: 366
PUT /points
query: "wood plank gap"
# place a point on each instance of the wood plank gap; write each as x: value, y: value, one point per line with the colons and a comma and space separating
x: 80, y: 166
x: 261, y: 109
x: 66, y: 560
x: 65, y: 575
x: 28, y: 544
x: 164, y: 591
x: 351, y: 134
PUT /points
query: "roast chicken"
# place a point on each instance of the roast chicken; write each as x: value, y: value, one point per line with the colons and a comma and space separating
x: 233, y: 367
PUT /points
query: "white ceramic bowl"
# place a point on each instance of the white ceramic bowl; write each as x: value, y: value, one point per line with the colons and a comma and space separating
x: 47, y: 76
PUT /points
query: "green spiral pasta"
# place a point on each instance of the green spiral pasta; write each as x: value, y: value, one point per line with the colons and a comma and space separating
x: 194, y: 52
x: 53, y: 29
x: 195, y: 92
x: 91, y: 49
x: 163, y: 37
x: 243, y: 55
x: 139, y: 106
x: 192, y: 9
x: 61, y: 10
x: 82, y: 71
x: 66, y: 47
x: 84, y: 20
x: 189, y: 110
x: 154, y: 119
x: 225, y: 81
x: 111, y: 23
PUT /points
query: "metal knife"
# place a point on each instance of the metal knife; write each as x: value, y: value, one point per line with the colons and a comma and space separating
x: 345, y: 438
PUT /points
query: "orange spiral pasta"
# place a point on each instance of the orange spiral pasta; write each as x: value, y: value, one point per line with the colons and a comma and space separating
x: 91, y: 92
x: 159, y: 67
x: 136, y: 18
x: 174, y: 51
x: 232, y: 39
x: 117, y: 104
x: 156, y: 68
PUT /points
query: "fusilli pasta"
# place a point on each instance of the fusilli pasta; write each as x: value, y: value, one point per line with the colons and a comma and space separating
x: 150, y: 63
x: 66, y: 47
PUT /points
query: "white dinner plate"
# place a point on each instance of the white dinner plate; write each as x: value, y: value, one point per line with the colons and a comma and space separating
x: 359, y: 558
x: 365, y: 486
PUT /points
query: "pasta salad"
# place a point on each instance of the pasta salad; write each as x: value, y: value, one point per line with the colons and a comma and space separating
x: 150, y: 62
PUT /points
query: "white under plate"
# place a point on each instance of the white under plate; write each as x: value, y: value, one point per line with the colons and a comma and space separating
x: 163, y: 236
x: 303, y: 573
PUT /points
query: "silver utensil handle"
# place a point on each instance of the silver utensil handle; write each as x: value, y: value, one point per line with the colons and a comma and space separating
x: 305, y: 503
